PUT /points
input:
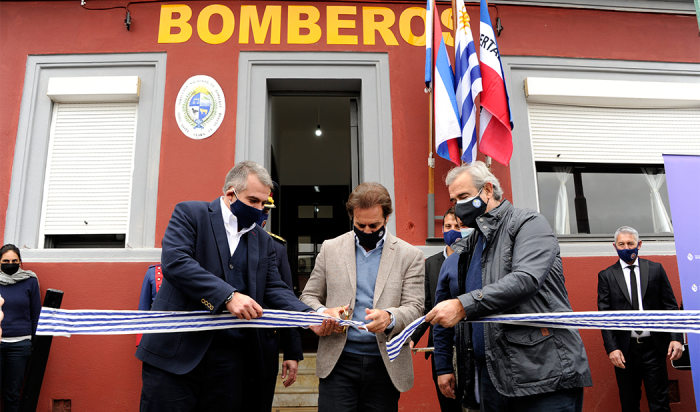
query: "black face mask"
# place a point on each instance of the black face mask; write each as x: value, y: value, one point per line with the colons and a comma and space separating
x: 369, y: 240
x: 9, y: 268
x: 468, y: 210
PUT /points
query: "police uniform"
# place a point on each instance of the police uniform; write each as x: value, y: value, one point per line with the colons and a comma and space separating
x: 270, y: 339
x: 151, y: 283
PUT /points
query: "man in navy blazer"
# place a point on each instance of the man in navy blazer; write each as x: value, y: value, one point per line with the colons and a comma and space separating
x: 215, y: 258
x: 638, y: 284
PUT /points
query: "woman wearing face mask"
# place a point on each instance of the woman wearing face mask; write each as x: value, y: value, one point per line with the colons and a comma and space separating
x: 20, y: 289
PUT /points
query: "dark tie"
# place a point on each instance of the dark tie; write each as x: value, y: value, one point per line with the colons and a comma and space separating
x: 635, y: 296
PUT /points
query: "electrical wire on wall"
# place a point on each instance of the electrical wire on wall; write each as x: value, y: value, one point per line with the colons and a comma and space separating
x: 127, y: 16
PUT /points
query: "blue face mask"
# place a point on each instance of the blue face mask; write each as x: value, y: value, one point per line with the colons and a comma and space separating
x: 451, y: 236
x: 628, y: 255
x: 466, y: 232
x: 246, y: 215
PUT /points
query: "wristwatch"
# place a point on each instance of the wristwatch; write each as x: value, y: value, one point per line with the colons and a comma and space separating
x: 229, y: 298
x: 392, y: 317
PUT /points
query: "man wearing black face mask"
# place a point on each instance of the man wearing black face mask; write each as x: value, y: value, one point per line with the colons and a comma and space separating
x: 370, y: 276
x: 510, y: 264
x: 638, y: 284
x: 215, y: 258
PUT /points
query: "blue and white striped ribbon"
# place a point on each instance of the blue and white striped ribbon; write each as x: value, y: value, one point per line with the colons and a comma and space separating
x: 682, y: 321
x: 61, y: 322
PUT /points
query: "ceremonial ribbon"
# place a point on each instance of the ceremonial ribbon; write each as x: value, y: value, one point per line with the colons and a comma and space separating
x: 682, y: 321
x: 61, y: 322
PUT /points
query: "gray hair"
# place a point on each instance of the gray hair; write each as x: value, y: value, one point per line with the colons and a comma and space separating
x: 237, y: 177
x: 480, y: 176
x: 629, y: 230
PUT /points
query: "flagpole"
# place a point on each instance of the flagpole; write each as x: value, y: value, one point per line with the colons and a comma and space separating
x: 431, y: 170
x: 431, y: 159
x: 455, y: 13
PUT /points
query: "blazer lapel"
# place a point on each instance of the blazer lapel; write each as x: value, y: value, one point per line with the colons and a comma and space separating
x: 620, y: 277
x: 253, y: 261
x: 385, y: 264
x: 217, y: 225
x: 350, y: 264
x: 643, y: 275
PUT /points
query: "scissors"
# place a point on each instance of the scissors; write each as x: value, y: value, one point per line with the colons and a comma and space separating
x: 345, y: 314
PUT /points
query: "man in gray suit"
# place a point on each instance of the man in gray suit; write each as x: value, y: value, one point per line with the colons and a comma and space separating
x: 373, y: 277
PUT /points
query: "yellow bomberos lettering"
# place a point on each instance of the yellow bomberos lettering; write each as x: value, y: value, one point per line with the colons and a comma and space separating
x: 271, y: 21
x: 302, y: 24
x: 334, y: 24
x: 370, y: 25
x: 203, y: 24
x: 405, y: 26
x: 167, y: 22
x: 295, y: 24
x: 446, y: 18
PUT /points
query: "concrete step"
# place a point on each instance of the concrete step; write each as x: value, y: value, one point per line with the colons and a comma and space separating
x: 302, y: 396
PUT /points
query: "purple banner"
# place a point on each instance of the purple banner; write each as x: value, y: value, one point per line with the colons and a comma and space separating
x: 683, y: 181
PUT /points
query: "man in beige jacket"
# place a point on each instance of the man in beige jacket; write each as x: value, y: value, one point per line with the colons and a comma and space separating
x: 373, y: 277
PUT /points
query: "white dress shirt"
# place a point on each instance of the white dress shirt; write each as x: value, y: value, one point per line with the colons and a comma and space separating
x: 231, y: 223
x: 626, y: 271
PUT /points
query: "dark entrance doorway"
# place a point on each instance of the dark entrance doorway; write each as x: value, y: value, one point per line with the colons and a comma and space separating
x: 314, y: 159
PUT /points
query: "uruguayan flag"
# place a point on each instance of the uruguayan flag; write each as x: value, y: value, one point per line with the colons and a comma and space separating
x: 468, y: 77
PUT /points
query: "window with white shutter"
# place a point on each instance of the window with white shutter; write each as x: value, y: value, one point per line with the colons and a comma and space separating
x: 598, y: 146
x: 89, y: 174
x: 612, y: 134
x: 87, y: 156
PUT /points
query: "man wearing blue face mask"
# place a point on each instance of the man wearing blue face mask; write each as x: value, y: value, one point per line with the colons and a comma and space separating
x: 638, y: 284
x: 216, y: 258
x: 510, y: 264
x: 451, y: 233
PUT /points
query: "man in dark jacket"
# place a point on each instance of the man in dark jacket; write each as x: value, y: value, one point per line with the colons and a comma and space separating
x: 451, y: 233
x: 215, y: 257
x: 638, y: 284
x: 510, y: 264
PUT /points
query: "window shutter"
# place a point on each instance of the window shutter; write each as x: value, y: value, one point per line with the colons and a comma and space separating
x: 89, y: 168
x: 612, y: 135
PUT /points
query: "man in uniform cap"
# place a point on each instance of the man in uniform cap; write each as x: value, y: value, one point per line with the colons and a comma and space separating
x: 270, y: 339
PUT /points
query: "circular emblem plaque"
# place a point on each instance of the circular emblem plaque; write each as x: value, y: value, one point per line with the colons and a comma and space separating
x: 200, y: 107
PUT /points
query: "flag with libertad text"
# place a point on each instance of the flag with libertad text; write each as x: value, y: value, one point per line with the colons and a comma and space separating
x: 496, y: 122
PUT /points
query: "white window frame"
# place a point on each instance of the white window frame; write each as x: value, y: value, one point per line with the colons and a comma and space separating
x: 23, y: 217
x: 523, y: 172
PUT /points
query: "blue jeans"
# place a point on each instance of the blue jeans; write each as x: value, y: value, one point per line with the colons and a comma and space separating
x: 14, y: 358
x: 563, y: 400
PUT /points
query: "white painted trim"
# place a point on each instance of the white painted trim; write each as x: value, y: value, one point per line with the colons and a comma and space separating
x: 611, y: 93
x: 94, y: 89
x: 255, y: 69
x: 636, y: 6
x: 90, y: 255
